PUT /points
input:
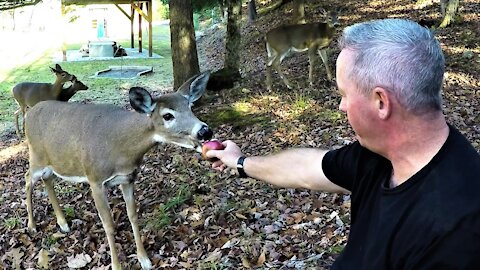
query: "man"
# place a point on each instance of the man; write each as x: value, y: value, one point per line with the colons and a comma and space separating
x: 414, y: 179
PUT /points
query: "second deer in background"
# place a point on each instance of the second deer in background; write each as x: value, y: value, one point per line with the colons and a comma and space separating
x: 311, y: 37
x: 27, y: 94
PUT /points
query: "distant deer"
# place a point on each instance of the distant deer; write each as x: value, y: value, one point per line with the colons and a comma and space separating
x: 311, y: 37
x: 27, y: 94
x: 104, y: 146
x: 68, y: 92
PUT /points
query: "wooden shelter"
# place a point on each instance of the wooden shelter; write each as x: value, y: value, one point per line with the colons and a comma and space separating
x: 134, y: 6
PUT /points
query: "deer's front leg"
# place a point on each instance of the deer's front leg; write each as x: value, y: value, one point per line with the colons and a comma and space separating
x: 324, y: 56
x: 103, y: 209
x: 129, y: 197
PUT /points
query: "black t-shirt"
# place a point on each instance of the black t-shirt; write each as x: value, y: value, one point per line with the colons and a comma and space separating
x: 431, y: 221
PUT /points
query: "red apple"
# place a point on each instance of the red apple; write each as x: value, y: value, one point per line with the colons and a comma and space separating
x: 211, y: 145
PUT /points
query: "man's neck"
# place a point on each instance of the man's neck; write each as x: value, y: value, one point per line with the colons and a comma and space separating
x: 414, y: 146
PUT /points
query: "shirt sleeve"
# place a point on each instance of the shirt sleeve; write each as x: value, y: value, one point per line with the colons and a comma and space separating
x: 340, y: 165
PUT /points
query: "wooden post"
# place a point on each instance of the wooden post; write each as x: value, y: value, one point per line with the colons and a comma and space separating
x: 140, y: 29
x: 62, y: 30
x: 150, y: 20
x: 132, y: 16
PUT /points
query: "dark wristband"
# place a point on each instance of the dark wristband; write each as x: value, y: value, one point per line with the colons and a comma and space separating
x: 241, y: 171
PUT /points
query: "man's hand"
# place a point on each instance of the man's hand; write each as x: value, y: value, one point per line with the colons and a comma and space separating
x: 227, y: 157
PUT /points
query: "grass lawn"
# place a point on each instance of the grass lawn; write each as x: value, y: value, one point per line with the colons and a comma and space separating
x: 101, y: 90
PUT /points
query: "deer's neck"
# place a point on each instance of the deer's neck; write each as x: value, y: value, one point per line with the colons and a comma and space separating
x: 57, y: 87
x: 139, y: 139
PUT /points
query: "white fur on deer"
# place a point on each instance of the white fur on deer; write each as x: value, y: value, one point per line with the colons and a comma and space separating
x: 105, y: 144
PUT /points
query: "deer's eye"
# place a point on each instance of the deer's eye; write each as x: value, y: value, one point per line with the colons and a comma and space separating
x: 168, y: 117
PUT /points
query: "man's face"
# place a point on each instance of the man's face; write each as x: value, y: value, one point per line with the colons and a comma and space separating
x: 358, y: 107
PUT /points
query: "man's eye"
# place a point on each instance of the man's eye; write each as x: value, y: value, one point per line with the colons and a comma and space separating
x: 168, y: 117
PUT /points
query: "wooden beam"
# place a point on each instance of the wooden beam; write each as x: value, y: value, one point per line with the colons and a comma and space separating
x: 123, y: 11
x: 140, y: 11
x: 91, y: 2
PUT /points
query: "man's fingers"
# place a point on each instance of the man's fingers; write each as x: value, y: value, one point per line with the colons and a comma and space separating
x: 213, y: 153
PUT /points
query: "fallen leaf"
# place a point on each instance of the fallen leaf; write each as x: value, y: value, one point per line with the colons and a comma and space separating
x: 43, y: 259
x: 261, y: 259
x: 79, y: 261
x: 246, y: 263
x: 240, y: 216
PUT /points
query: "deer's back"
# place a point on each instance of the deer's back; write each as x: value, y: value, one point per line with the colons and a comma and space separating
x: 299, y: 36
x: 86, y: 134
x: 30, y: 93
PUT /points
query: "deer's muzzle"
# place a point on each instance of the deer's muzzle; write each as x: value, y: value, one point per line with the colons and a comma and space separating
x: 205, y: 133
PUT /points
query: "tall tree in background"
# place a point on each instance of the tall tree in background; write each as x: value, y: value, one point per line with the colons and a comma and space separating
x: 184, y: 46
x: 233, y: 39
x: 225, y: 77
x: 252, y: 11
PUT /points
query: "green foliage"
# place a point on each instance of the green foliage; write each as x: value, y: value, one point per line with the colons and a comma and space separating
x: 69, y: 212
x: 11, y: 223
x: 161, y: 11
x: 199, y: 4
x: 50, y: 240
x: 165, y: 214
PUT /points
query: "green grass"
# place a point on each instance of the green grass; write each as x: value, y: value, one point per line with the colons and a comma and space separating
x: 165, y: 213
x: 11, y: 223
x: 101, y: 90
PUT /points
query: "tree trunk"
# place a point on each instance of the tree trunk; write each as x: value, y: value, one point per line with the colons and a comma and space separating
x: 233, y: 39
x: 225, y: 78
x: 252, y: 11
x: 299, y: 12
x: 184, y: 46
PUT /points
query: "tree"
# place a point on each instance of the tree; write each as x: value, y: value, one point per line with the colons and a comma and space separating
x: 224, y: 78
x: 232, y: 43
x: 183, y: 44
x: 252, y: 11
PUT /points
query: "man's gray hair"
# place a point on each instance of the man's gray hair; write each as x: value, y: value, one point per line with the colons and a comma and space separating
x: 400, y: 56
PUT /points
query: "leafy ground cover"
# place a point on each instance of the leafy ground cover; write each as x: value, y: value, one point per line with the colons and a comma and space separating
x: 195, y: 218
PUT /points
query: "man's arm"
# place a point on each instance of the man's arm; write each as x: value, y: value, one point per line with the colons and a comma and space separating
x: 293, y: 168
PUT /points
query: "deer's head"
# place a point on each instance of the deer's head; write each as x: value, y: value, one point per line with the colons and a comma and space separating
x: 171, y: 114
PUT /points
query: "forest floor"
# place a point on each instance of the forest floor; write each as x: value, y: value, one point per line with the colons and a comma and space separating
x: 195, y: 218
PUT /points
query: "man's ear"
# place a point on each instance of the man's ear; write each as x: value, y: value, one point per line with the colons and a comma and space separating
x: 383, y: 102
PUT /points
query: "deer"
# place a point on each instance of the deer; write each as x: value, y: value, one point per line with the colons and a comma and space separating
x: 103, y: 145
x: 27, y: 94
x: 311, y: 37
x: 70, y: 91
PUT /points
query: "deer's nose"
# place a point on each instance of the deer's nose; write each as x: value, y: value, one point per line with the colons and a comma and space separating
x: 205, y: 133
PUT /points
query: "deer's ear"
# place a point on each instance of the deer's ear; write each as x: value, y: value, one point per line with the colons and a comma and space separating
x: 58, y: 67
x: 194, y: 88
x: 141, y: 100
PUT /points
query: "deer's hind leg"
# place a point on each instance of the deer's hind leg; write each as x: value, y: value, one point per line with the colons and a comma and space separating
x: 33, y: 175
x: 323, y: 54
x: 52, y: 196
x: 17, y: 127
